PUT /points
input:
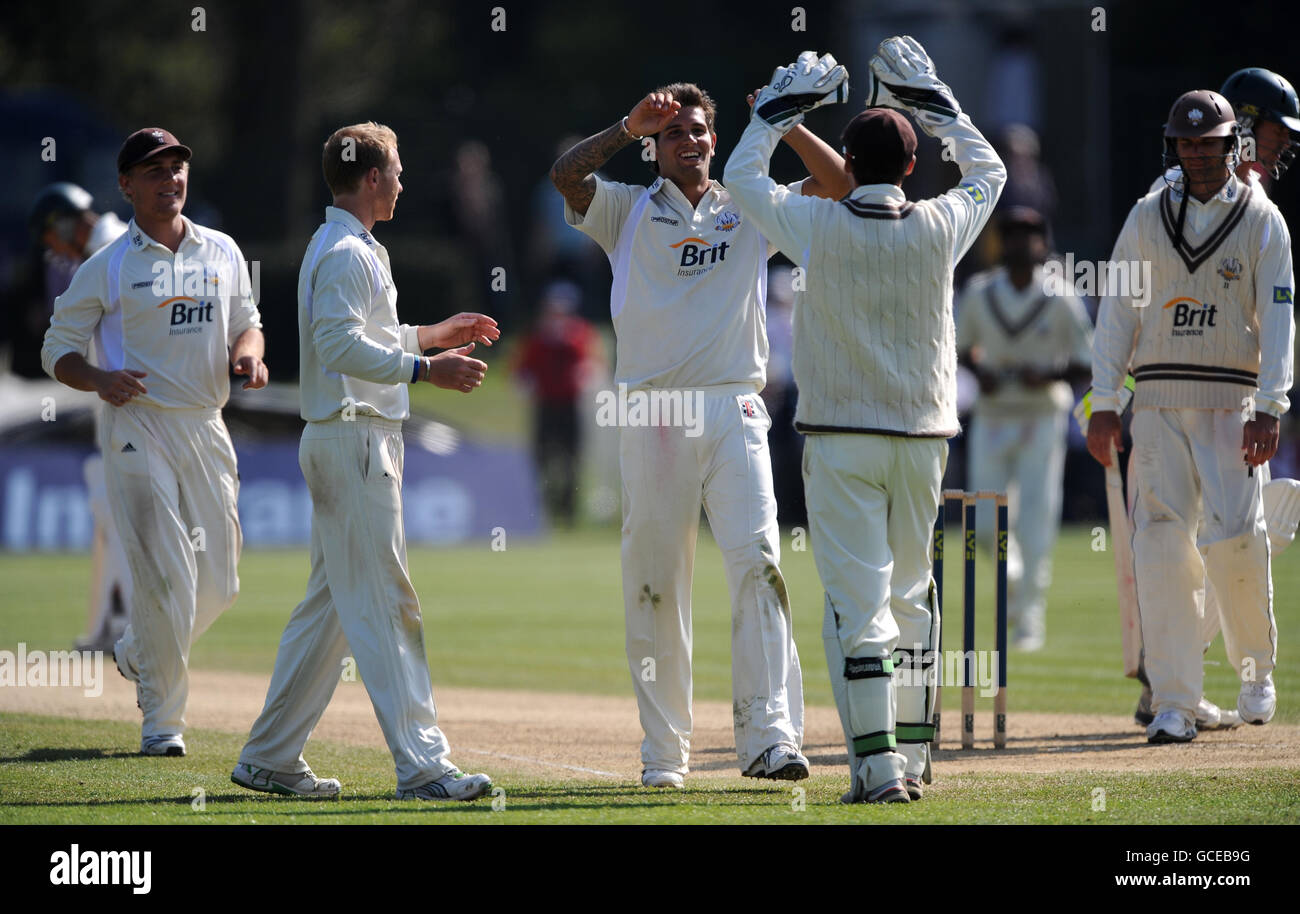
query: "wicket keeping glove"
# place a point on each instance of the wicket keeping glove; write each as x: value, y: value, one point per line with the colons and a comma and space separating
x: 806, y: 84
x: 902, y: 76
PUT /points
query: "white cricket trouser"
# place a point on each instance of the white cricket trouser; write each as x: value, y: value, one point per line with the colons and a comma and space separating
x: 1189, y: 461
x: 872, y: 501
x: 1025, y: 457
x: 110, y: 571
x: 359, y: 598
x: 173, y: 490
x: 666, y: 477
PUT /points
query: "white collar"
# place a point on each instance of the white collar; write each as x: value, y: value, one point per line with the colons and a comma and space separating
x: 890, y: 193
x: 351, y: 223
x: 140, y: 239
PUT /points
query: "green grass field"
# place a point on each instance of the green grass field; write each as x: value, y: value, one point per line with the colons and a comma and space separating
x: 546, y: 615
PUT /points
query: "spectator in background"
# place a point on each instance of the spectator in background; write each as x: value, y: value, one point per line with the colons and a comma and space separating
x: 554, y: 361
x: 1029, y: 184
x: 1014, y: 78
x: 1029, y: 181
x: 479, y: 214
x: 555, y: 252
x: 781, y: 397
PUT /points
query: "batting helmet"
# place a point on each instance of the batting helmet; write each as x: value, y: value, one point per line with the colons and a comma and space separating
x: 1256, y: 95
x: 1202, y: 113
x: 59, y: 200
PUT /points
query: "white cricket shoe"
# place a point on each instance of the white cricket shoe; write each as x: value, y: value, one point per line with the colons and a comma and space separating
x: 1171, y: 727
x: 299, y: 784
x: 1257, y: 701
x: 1210, y: 716
x: 454, y: 785
x: 172, y: 746
x: 658, y: 777
x: 782, y: 762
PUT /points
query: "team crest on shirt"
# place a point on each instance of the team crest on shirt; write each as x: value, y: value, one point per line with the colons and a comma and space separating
x: 1229, y: 269
x: 727, y: 221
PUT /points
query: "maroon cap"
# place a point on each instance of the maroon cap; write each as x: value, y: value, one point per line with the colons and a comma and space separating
x: 881, y: 142
x: 147, y: 143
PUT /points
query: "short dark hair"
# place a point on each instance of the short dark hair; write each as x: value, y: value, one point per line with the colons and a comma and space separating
x: 692, y: 96
x: 881, y: 143
x: 369, y: 149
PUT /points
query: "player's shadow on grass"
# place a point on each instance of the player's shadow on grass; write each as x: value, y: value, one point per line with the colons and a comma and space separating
x: 1048, y: 745
x: 69, y: 755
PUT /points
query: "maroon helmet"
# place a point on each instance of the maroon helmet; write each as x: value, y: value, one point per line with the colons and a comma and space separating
x: 1202, y: 113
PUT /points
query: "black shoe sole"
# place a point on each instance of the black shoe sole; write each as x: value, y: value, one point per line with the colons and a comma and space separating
x: 1164, y: 738
x: 792, y: 772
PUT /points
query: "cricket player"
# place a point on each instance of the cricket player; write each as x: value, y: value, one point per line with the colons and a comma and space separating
x: 1025, y: 346
x: 875, y: 362
x: 689, y: 317
x: 170, y: 310
x: 67, y: 231
x: 355, y: 361
x: 1213, y: 365
x: 1268, y: 111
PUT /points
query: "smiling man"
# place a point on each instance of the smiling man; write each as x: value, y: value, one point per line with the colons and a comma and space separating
x: 688, y: 305
x: 170, y: 310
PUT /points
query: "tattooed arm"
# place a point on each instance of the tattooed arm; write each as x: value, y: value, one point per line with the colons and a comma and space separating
x: 573, y: 174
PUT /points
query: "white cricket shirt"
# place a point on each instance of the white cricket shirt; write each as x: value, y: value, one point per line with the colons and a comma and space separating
x: 173, y: 316
x: 689, y: 295
x: 1219, y: 325
x: 352, y: 352
x: 1023, y: 328
x: 874, y: 342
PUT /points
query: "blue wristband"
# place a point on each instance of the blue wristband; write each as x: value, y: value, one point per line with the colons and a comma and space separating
x: 415, y: 376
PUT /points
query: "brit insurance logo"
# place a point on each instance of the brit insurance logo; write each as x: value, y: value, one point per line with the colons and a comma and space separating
x: 698, y: 256
x: 727, y: 222
x: 1191, y: 316
x: 188, y: 315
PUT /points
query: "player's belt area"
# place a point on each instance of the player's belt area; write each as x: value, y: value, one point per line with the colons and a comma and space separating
x: 1181, y: 371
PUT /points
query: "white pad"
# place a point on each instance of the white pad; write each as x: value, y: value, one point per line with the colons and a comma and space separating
x: 1281, y: 512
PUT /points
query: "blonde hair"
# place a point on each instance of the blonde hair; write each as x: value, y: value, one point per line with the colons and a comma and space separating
x: 346, y: 163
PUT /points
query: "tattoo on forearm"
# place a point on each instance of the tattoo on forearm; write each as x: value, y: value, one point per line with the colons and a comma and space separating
x: 574, y: 172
